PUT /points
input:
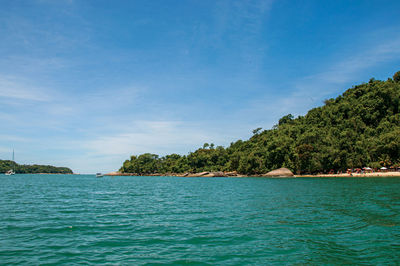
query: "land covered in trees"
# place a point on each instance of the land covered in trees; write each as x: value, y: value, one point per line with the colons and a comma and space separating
x: 359, y: 128
x: 6, y: 165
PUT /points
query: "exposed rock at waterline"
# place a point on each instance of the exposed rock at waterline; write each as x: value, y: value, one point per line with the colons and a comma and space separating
x: 281, y: 172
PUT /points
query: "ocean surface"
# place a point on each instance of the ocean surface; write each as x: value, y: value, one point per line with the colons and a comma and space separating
x: 81, y: 219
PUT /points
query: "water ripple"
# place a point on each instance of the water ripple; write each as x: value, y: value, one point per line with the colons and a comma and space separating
x: 202, y: 221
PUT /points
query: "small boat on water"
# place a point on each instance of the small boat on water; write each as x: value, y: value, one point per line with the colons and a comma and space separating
x: 11, y: 171
x: 99, y: 175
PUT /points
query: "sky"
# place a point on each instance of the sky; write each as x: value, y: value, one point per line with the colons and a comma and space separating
x: 87, y: 84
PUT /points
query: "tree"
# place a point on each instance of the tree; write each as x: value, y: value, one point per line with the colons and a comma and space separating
x: 396, y: 76
x: 286, y: 119
x: 359, y: 128
x: 257, y: 130
x: 6, y: 165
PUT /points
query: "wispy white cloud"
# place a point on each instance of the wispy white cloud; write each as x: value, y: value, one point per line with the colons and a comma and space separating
x: 104, y: 151
x: 114, y: 96
x: 16, y: 88
x: 43, y: 36
x: 14, y: 138
x: 101, y: 109
x: 346, y: 69
x: 152, y: 136
x: 31, y: 64
x: 310, y: 91
x: 242, y: 24
x: 245, y: 15
x: 64, y: 74
x: 342, y: 72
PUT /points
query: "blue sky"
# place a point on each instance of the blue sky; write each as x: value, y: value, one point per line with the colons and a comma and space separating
x: 86, y: 84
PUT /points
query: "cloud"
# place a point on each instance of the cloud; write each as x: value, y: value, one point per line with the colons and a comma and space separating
x: 151, y: 136
x: 114, y: 96
x: 32, y: 65
x: 241, y: 24
x: 346, y: 69
x: 14, y: 138
x: 31, y: 35
x: 249, y: 16
x: 311, y: 90
x: 342, y: 72
x: 103, y: 152
x: 16, y: 88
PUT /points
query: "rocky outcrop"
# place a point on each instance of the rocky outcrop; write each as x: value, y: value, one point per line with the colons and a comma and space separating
x: 232, y: 173
x: 205, y: 174
x: 198, y: 174
x: 281, y: 172
x: 215, y: 174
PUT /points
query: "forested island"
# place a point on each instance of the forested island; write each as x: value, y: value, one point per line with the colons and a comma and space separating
x: 359, y: 128
x: 6, y: 165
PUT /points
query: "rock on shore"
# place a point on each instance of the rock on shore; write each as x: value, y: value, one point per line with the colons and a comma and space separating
x: 206, y: 174
x: 281, y: 172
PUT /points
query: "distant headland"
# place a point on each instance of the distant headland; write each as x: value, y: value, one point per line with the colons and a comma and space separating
x: 360, y: 129
x: 6, y: 165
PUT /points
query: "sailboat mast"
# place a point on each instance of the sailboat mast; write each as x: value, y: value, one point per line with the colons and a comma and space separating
x: 13, y: 168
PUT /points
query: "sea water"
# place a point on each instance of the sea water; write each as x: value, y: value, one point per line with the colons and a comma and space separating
x: 81, y: 219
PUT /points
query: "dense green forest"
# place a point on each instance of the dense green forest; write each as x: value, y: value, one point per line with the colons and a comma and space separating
x: 6, y: 165
x: 359, y: 128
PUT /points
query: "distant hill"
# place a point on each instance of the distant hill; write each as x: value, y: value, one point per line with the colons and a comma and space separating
x: 6, y: 165
x: 359, y: 128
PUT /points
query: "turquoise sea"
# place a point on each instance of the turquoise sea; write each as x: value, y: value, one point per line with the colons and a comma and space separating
x: 80, y: 219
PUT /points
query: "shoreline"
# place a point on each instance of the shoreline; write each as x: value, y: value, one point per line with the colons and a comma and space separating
x: 376, y: 174
x: 219, y: 174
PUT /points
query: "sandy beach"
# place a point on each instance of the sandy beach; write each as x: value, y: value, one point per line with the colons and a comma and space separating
x: 376, y: 174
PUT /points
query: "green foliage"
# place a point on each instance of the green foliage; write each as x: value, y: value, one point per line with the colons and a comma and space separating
x: 257, y: 130
x: 6, y: 165
x: 359, y: 128
x: 145, y: 164
x: 396, y: 76
x: 286, y: 119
